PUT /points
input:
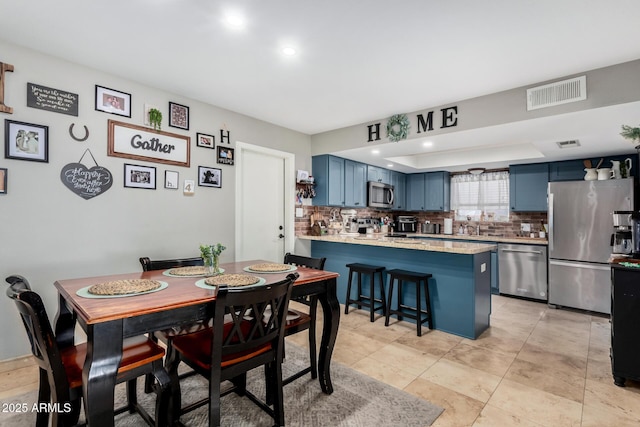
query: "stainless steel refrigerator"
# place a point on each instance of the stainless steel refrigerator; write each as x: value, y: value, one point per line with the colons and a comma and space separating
x: 580, y: 228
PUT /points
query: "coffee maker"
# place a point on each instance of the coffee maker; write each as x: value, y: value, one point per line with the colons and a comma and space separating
x: 625, y: 238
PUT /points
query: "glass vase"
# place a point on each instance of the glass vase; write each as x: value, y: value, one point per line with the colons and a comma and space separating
x: 212, y: 264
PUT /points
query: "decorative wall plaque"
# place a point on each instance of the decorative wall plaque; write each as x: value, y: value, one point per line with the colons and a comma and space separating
x: 86, y: 183
x: 50, y: 99
x: 140, y: 143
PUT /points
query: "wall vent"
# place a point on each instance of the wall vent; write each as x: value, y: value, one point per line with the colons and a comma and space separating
x: 562, y: 92
x: 568, y: 144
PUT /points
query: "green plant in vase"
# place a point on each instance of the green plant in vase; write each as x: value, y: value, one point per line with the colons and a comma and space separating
x: 155, y: 118
x: 211, y: 256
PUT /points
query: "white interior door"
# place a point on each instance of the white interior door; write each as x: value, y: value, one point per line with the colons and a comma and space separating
x: 264, y: 219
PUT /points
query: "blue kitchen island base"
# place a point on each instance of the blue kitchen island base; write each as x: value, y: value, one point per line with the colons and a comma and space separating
x: 460, y: 285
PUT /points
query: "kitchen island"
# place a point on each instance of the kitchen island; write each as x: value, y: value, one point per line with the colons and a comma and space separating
x: 460, y: 286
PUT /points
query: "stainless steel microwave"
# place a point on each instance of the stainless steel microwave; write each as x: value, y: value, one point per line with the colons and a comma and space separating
x: 379, y: 195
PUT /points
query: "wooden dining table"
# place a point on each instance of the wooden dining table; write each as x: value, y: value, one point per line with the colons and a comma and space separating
x: 107, y: 321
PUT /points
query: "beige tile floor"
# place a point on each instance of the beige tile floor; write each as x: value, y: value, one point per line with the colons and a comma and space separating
x: 535, y: 366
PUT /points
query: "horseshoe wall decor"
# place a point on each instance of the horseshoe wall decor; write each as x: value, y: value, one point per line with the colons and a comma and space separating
x: 86, y: 133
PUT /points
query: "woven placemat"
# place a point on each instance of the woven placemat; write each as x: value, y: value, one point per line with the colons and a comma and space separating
x: 232, y: 280
x: 124, y: 287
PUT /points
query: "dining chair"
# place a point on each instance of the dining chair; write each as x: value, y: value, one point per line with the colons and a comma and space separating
x: 247, y: 332
x: 163, y: 264
x: 166, y: 335
x: 61, y: 368
x: 298, y: 321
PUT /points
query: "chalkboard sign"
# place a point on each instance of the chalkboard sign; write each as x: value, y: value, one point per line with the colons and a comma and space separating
x: 86, y: 182
x: 50, y: 99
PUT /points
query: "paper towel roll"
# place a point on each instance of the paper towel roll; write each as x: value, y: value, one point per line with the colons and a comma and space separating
x: 448, y: 226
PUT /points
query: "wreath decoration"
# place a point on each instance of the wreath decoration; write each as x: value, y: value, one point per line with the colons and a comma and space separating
x: 398, y: 127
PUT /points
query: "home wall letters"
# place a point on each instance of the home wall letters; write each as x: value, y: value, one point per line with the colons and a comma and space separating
x: 4, y: 68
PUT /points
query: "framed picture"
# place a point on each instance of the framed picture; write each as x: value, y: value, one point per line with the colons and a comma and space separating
x: 171, y: 180
x: 137, y: 176
x: 178, y: 116
x: 113, y: 101
x: 206, y: 141
x: 209, y: 177
x: 139, y: 143
x: 3, y: 180
x: 26, y: 141
x: 225, y: 155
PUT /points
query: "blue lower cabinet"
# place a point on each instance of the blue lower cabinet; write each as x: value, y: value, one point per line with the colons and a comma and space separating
x: 460, y: 288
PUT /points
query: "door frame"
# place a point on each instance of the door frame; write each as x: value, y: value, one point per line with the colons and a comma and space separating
x: 289, y: 186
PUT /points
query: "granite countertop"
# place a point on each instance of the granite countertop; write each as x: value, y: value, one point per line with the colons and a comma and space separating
x: 485, y: 238
x: 433, y: 245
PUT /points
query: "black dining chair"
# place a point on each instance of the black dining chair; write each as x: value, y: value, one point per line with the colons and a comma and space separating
x: 166, y: 335
x: 298, y: 321
x: 164, y: 264
x: 247, y: 332
x: 61, y: 368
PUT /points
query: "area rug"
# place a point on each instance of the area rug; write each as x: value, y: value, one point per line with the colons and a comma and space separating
x: 357, y: 400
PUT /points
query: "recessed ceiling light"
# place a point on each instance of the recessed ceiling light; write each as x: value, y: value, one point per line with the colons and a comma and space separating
x: 390, y: 165
x: 234, y: 20
x: 288, y: 51
x: 375, y: 151
x: 427, y: 144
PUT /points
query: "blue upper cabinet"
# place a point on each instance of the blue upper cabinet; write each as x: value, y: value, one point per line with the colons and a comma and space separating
x: 377, y: 174
x: 355, y: 184
x: 428, y: 191
x: 399, y: 182
x: 528, y: 187
x: 339, y: 182
x: 415, y: 192
x: 438, y: 187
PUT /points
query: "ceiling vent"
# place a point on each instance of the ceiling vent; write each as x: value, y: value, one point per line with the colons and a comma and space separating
x: 562, y: 92
x: 568, y: 144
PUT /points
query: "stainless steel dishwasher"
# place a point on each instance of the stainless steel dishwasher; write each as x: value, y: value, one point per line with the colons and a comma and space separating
x: 522, y: 271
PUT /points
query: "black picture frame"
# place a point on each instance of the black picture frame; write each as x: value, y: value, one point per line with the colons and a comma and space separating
x: 139, y: 176
x: 205, y: 141
x: 3, y: 180
x: 226, y: 155
x: 209, y: 177
x: 171, y: 180
x: 178, y: 116
x: 26, y: 141
x: 113, y: 101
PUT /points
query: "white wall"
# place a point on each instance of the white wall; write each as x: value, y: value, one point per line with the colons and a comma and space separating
x: 49, y: 233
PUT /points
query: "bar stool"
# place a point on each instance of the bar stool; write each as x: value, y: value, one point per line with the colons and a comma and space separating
x: 416, y: 312
x: 363, y: 300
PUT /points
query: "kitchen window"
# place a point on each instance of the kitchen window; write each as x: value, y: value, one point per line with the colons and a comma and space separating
x: 483, y: 197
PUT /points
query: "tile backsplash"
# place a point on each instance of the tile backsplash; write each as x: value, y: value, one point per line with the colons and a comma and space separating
x: 504, y: 229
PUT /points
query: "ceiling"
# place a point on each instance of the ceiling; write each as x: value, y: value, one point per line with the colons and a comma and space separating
x: 356, y: 62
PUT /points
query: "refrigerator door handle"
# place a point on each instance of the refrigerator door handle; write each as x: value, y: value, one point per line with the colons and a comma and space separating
x: 603, y: 267
x: 550, y: 219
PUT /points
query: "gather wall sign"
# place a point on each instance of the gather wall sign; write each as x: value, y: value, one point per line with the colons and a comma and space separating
x: 140, y: 143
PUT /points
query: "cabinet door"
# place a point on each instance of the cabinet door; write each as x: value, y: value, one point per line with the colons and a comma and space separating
x: 399, y: 182
x: 336, y: 181
x: 377, y: 174
x: 355, y: 184
x: 570, y: 170
x: 437, y: 191
x: 528, y: 187
x: 415, y: 192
